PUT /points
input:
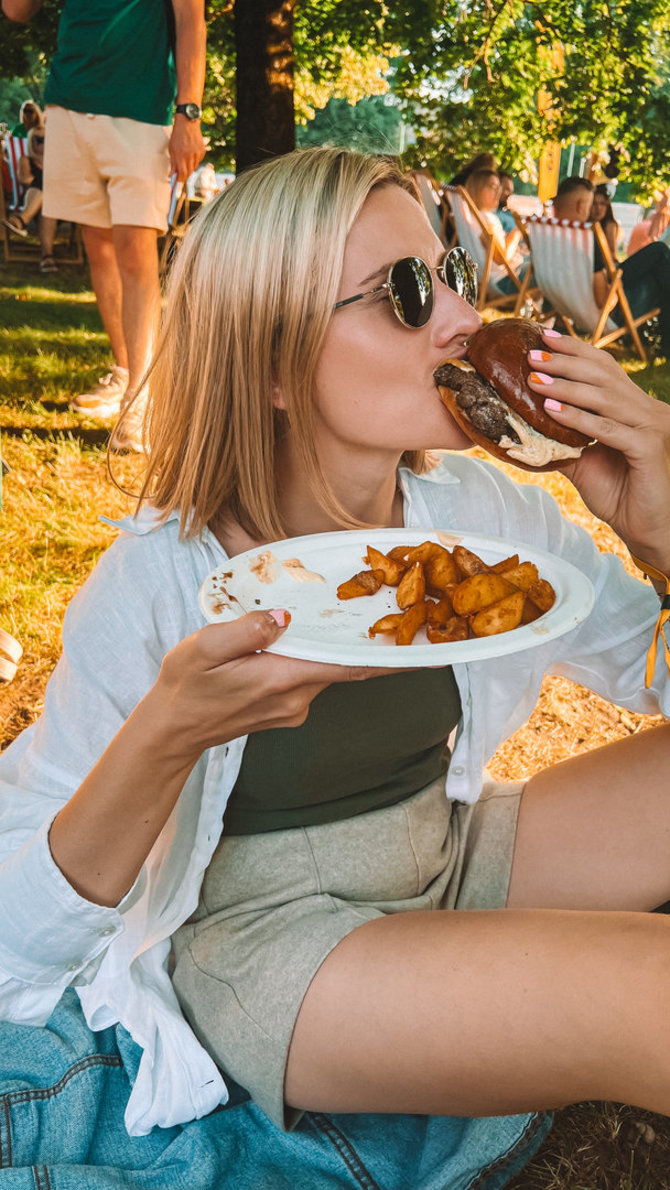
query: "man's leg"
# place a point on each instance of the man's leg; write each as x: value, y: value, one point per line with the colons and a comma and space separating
x: 646, y: 283
x: 105, y: 399
x: 136, y: 252
x: 106, y: 282
x: 47, y: 236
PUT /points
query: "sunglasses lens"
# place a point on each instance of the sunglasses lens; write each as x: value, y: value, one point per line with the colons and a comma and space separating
x: 460, y: 273
x: 411, y: 290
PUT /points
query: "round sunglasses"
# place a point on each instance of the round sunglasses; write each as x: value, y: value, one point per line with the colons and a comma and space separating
x: 410, y: 290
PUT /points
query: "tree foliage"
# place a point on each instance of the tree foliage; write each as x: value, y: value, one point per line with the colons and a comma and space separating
x: 468, y: 73
x: 603, y: 64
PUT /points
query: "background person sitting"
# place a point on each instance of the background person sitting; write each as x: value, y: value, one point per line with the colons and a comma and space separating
x: 206, y: 185
x: 645, y: 275
x: 506, y: 191
x: 30, y: 175
x: 653, y: 227
x: 602, y: 213
x: 483, y: 186
x: 30, y: 116
x: 481, y: 161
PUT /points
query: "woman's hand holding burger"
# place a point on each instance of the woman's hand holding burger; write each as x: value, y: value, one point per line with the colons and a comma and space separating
x: 624, y: 478
x: 546, y: 401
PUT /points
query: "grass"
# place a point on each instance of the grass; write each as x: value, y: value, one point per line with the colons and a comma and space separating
x: 57, y: 487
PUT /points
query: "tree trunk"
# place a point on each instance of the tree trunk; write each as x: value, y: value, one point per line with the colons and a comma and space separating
x: 264, y: 73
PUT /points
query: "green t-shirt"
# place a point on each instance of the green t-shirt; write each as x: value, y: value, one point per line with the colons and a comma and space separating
x: 114, y: 59
x: 363, y: 746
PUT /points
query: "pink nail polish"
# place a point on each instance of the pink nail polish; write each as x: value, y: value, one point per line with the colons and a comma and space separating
x: 552, y: 334
x: 553, y: 406
x: 541, y: 378
x: 280, y: 617
x: 540, y: 357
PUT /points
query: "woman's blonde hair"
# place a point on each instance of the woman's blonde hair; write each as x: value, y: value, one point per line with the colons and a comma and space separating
x: 249, y: 302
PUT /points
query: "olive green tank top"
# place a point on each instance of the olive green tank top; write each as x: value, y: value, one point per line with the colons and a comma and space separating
x: 364, y: 745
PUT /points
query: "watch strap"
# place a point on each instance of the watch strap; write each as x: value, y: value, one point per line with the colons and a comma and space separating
x: 663, y: 618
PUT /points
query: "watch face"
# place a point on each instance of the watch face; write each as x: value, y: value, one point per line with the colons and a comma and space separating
x: 191, y: 110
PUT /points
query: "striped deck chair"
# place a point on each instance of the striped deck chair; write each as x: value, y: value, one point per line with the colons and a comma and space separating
x: 470, y: 227
x: 14, y: 247
x: 562, y: 255
x: 16, y: 147
x: 436, y: 207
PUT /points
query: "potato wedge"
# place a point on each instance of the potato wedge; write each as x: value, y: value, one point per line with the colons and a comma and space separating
x: 366, y: 582
x: 398, y: 553
x: 421, y: 553
x: 456, y: 628
x: 467, y: 562
x: 391, y: 569
x: 441, y: 571
x: 530, y: 612
x: 479, y: 591
x: 440, y: 612
x: 387, y: 624
x: 542, y: 594
x: 505, y: 564
x: 412, y: 586
x: 502, y: 616
x: 410, y: 622
x: 522, y: 576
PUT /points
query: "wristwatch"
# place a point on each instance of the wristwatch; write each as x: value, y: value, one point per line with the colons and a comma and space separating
x: 190, y: 110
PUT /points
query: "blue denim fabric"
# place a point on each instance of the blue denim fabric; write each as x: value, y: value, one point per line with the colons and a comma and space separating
x: 63, y: 1091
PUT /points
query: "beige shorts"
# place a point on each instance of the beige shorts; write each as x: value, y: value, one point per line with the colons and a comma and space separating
x: 273, y: 906
x: 106, y: 170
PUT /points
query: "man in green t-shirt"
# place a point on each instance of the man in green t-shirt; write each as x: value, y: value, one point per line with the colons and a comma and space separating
x: 112, y: 143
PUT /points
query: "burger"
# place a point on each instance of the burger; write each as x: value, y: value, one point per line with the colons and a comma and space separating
x: 489, y: 398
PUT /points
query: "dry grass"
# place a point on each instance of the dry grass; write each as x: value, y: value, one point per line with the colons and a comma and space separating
x: 51, y: 536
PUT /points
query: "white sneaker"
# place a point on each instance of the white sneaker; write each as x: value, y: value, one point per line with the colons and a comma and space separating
x: 105, y: 399
x: 127, y: 433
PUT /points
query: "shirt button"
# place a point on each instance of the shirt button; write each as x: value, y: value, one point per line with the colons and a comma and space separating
x: 107, y: 931
x: 458, y: 770
x: 73, y: 966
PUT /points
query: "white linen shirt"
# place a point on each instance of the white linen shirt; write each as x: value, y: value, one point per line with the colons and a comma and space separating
x: 139, y: 602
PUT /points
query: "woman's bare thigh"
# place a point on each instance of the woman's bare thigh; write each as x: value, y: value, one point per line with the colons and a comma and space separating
x: 594, y: 831
x: 486, y: 1013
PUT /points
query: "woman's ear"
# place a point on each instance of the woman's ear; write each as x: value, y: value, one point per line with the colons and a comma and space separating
x: 278, y: 401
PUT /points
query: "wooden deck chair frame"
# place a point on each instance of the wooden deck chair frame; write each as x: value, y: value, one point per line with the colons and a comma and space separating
x: 467, y: 228
x: 15, y: 248
x: 605, y: 331
x: 436, y: 206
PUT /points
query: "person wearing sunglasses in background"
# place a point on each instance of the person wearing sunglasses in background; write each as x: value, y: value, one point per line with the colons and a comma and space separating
x: 242, y: 868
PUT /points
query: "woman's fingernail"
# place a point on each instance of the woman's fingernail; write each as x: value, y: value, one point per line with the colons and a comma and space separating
x: 541, y: 378
x: 552, y: 334
x: 540, y: 357
x: 280, y: 616
x: 553, y: 406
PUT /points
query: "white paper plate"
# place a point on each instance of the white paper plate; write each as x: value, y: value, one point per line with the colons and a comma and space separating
x: 303, y: 574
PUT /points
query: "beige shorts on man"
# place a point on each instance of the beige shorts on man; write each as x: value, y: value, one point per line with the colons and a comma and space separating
x: 106, y: 170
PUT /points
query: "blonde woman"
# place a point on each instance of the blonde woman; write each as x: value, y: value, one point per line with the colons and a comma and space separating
x: 250, y: 870
x: 483, y: 186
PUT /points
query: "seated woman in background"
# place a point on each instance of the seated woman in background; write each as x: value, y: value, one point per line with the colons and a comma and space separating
x: 483, y: 186
x: 653, y: 227
x: 481, y: 161
x: 30, y: 116
x: 602, y: 213
x: 30, y: 175
x: 503, y: 212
